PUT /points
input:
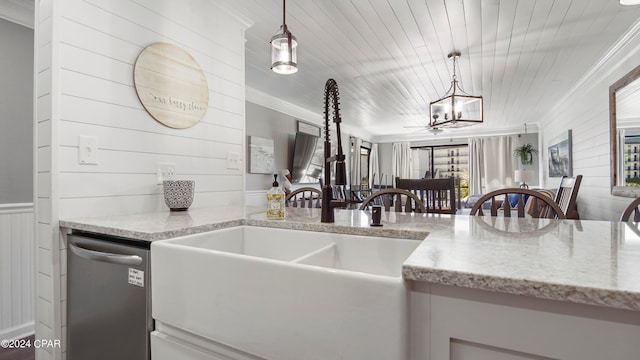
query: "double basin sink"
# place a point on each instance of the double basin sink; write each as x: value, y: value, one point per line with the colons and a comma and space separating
x: 286, y: 294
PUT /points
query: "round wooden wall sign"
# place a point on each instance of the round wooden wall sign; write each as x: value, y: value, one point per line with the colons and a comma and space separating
x: 171, y: 85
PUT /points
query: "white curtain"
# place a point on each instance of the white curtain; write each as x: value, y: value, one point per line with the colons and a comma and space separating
x: 401, y: 166
x: 355, y: 161
x: 492, y: 164
x: 475, y: 166
x: 374, y: 166
x: 620, y: 178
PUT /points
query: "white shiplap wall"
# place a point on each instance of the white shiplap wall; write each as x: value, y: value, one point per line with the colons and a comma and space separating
x: 87, y: 50
x: 99, y: 44
x: 17, y: 306
x: 586, y: 112
x: 48, y: 309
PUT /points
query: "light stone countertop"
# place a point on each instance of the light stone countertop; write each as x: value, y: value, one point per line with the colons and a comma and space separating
x: 166, y: 225
x: 589, y: 262
x: 160, y: 225
x: 353, y: 222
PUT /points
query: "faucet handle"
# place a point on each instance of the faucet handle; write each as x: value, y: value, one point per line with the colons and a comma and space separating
x: 376, y: 215
x: 341, y: 173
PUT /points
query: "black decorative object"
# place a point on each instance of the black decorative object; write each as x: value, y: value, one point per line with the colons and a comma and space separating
x: 178, y: 194
x: 331, y: 99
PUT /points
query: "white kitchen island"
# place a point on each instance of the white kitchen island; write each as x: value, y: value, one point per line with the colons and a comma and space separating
x: 545, y: 289
x: 482, y: 288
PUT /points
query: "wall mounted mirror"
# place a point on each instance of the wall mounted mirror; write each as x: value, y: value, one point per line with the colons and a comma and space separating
x: 624, y: 119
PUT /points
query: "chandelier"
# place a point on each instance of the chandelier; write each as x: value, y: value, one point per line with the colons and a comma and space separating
x: 283, y: 49
x: 456, y: 108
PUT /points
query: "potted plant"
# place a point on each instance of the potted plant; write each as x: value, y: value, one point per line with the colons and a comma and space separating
x: 525, y: 153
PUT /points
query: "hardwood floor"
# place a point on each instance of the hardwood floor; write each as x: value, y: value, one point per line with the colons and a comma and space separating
x: 19, y: 354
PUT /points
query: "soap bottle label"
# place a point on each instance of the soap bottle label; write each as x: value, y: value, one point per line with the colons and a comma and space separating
x: 275, y: 206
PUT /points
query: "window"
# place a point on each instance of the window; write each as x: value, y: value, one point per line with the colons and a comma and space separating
x: 631, y: 163
x: 364, y: 167
x: 442, y: 162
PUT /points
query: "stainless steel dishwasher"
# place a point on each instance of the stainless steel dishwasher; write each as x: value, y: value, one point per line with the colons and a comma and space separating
x: 108, y: 298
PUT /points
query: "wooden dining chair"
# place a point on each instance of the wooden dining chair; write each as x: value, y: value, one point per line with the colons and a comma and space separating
x: 357, y: 193
x: 632, y: 209
x: 567, y: 196
x: 380, y: 184
x: 540, y: 205
x: 437, y: 195
x: 393, y: 199
x: 304, y: 197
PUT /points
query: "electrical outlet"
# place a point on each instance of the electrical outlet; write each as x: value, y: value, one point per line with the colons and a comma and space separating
x: 165, y: 171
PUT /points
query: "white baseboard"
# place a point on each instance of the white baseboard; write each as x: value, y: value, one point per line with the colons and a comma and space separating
x: 18, y: 332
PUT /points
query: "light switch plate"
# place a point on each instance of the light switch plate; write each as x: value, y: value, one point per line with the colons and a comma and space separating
x: 233, y: 160
x: 87, y: 150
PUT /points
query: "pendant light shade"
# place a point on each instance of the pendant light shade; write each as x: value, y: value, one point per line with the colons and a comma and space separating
x: 283, y: 49
x: 456, y: 108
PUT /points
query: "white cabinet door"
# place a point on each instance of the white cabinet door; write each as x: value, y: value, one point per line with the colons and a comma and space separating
x: 171, y: 343
x: 165, y: 347
x: 462, y: 350
x: 467, y: 324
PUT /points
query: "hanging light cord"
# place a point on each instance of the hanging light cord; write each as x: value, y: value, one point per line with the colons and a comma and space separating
x: 284, y: 6
x: 454, y: 77
x: 284, y: 25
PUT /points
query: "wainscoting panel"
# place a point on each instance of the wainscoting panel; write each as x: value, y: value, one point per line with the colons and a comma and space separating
x: 17, y: 244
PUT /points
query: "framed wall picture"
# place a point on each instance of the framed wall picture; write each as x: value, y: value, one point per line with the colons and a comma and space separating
x: 559, y: 155
x: 260, y: 155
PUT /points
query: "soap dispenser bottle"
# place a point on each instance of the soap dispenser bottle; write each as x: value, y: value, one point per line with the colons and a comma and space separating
x: 275, y: 200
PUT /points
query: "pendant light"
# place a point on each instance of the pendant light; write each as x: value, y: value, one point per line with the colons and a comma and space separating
x: 283, y: 49
x: 456, y: 108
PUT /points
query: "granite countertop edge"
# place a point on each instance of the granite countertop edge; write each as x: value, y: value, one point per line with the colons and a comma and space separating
x: 618, y: 299
x: 183, y: 231
x: 613, y: 298
x: 149, y: 235
x: 388, y: 232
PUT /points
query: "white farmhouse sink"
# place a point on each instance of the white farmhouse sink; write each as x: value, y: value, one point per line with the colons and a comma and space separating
x: 286, y: 294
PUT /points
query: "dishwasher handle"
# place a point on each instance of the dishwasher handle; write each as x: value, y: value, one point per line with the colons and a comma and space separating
x: 105, y: 257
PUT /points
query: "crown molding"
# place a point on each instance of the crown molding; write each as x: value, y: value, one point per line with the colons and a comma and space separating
x: 244, y: 21
x: 626, y: 47
x: 277, y: 104
x: 21, y: 12
x: 456, y: 134
x: 273, y: 103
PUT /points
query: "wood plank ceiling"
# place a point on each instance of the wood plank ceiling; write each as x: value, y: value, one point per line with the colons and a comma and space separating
x: 389, y: 57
